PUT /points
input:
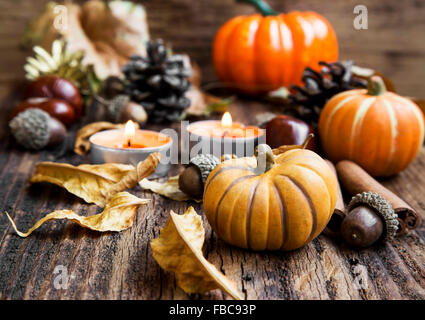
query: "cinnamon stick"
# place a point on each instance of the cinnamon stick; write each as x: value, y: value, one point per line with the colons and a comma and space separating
x: 334, y: 225
x: 357, y: 180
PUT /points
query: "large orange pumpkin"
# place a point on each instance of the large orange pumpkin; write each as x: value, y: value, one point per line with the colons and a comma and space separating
x: 282, y: 208
x: 377, y: 129
x: 263, y: 52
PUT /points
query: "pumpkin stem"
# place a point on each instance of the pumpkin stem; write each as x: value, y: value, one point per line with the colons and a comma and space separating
x: 283, y: 149
x: 262, y: 6
x: 265, y: 158
x: 307, y: 140
x: 376, y: 86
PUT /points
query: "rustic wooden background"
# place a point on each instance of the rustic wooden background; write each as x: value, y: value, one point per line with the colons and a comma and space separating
x: 393, y: 44
x: 120, y: 265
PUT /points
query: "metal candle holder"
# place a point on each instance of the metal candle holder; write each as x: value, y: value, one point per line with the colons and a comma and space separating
x: 241, y: 146
x: 105, y: 154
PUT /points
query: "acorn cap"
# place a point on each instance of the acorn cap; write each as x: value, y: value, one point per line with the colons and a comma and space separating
x: 114, y: 108
x: 382, y: 207
x: 205, y: 163
x: 31, y: 128
x: 121, y: 109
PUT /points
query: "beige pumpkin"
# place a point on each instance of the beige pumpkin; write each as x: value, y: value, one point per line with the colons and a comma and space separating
x: 283, y: 208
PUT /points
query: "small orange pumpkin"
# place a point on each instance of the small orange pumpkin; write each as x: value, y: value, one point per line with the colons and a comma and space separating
x: 280, y: 208
x: 263, y: 52
x: 379, y: 130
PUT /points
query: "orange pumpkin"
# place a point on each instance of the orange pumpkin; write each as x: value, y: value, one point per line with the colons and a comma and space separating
x: 263, y: 52
x: 377, y: 129
x: 280, y: 208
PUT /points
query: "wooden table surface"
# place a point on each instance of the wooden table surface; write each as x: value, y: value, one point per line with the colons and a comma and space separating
x: 121, y: 266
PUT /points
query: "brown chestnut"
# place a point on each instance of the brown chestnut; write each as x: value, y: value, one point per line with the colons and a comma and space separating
x: 57, y: 108
x: 56, y: 87
x: 362, y: 227
x: 286, y: 130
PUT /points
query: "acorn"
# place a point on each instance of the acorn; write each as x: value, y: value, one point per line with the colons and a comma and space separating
x: 112, y: 86
x: 36, y: 129
x: 121, y: 109
x: 370, y: 219
x: 192, y: 179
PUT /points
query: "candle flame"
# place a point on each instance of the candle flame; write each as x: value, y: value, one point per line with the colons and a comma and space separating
x: 226, y: 121
x: 129, y: 132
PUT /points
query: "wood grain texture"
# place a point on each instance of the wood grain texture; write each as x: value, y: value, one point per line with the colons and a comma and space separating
x: 120, y: 265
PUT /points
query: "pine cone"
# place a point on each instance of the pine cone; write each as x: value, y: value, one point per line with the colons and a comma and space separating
x: 158, y: 82
x: 309, y: 100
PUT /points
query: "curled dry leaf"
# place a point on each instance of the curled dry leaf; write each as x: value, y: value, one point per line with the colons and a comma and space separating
x: 95, y: 183
x: 82, y: 143
x: 117, y: 216
x: 169, y: 189
x: 179, y: 249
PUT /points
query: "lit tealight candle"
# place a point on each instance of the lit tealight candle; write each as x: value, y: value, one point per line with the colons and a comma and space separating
x: 225, y: 136
x: 129, y: 145
x: 130, y: 135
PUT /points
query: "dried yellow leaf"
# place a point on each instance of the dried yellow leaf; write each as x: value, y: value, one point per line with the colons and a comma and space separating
x: 169, y: 189
x: 95, y: 183
x: 178, y: 249
x: 117, y: 216
x: 82, y: 143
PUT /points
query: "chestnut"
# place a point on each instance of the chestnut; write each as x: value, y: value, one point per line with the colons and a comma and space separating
x: 286, y: 130
x: 57, y: 108
x: 56, y: 87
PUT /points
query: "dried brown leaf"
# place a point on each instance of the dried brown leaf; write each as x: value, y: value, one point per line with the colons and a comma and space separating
x: 95, y: 183
x: 169, y: 189
x: 117, y: 216
x: 82, y: 143
x: 178, y: 249
x: 203, y: 104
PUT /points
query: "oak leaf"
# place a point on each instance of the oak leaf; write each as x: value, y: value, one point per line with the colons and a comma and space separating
x: 178, y: 249
x: 95, y: 183
x: 118, y: 215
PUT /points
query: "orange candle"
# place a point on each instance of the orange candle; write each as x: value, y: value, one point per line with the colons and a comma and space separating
x: 223, y: 137
x: 130, y: 146
x: 225, y: 128
x: 130, y: 138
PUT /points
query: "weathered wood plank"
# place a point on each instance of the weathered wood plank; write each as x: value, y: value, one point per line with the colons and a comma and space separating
x: 121, y: 266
